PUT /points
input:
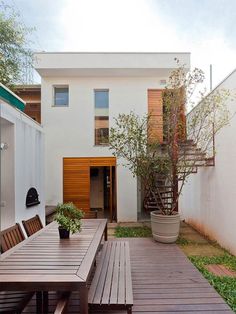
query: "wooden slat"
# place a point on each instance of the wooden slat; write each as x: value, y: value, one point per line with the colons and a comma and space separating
x: 115, y: 281
x: 128, y: 280
x: 92, y: 290
x: 109, y: 276
x: 121, y: 288
x: 86, y: 265
x: 102, y: 279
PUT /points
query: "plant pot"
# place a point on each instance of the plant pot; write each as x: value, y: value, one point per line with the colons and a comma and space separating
x: 165, y: 229
x: 64, y: 234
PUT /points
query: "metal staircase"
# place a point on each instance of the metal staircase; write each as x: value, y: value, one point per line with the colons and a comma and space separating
x: 190, y: 159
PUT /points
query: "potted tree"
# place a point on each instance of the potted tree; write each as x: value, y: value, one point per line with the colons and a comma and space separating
x: 164, y: 164
x: 68, y: 217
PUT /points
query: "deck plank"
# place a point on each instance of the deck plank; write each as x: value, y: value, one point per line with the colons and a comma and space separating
x: 164, y: 281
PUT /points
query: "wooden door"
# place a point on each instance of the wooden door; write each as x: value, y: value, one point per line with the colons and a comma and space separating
x: 76, y: 182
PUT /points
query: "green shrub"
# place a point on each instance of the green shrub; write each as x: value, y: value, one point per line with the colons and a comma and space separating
x: 68, y: 216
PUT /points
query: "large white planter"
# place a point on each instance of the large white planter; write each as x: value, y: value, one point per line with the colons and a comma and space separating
x: 165, y: 229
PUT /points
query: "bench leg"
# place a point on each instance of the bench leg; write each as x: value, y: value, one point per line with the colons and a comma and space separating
x: 84, y: 300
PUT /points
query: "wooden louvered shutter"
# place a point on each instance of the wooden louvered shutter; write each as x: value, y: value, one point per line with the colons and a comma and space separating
x: 155, y: 110
x: 76, y: 182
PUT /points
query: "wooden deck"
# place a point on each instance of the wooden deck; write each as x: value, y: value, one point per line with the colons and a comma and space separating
x: 164, y: 281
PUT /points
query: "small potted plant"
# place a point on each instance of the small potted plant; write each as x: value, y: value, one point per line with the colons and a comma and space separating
x: 68, y: 217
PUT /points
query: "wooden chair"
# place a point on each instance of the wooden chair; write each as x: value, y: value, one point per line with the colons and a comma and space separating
x: 32, y: 225
x: 11, y: 237
x: 91, y: 214
x: 13, y: 301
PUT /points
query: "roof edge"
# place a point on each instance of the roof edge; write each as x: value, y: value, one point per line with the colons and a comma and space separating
x: 11, y: 98
x: 107, y: 52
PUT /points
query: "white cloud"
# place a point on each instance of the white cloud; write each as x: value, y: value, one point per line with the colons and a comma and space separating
x: 108, y: 25
x: 137, y: 25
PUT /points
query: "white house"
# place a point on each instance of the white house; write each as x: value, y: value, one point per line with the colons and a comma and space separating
x: 209, y: 197
x: 81, y: 93
x: 22, y: 168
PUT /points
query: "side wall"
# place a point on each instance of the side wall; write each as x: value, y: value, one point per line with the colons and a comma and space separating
x: 7, y: 173
x: 26, y: 142
x: 208, y: 200
x: 70, y: 130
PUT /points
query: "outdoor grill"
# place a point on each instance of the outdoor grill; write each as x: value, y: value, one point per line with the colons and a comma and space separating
x: 32, y: 198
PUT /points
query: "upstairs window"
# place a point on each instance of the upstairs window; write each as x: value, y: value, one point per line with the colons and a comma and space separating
x: 61, y: 96
x: 101, y: 117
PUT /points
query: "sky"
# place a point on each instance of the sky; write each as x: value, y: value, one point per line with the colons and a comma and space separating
x: 206, y: 28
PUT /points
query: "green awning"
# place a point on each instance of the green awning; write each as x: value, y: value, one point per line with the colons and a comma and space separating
x: 12, y: 99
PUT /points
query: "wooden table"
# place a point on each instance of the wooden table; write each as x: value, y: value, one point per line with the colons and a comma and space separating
x: 43, y: 262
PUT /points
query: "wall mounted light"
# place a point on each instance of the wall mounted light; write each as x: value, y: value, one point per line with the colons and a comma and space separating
x: 4, y: 146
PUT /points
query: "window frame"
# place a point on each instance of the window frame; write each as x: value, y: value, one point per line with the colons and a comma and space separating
x: 94, y: 117
x: 54, y: 95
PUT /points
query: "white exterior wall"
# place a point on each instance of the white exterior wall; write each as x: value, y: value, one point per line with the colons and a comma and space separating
x: 70, y: 130
x: 209, y: 197
x: 22, y: 166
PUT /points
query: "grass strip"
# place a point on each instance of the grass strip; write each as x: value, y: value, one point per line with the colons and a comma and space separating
x: 133, y: 232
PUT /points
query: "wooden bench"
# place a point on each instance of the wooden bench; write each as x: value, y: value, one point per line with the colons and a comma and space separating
x: 92, y: 214
x: 32, y: 225
x: 111, y: 287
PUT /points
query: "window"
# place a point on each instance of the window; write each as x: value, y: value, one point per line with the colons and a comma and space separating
x: 101, y: 99
x: 61, y: 96
x: 101, y: 117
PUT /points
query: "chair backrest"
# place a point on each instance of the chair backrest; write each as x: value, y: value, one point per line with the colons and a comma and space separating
x: 11, y: 237
x: 91, y: 214
x: 32, y: 225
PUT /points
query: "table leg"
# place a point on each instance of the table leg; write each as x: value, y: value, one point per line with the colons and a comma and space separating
x: 45, y: 302
x: 39, y: 302
x: 84, y: 300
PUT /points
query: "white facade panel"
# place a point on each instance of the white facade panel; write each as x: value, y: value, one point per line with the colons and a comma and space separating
x: 22, y: 166
x: 208, y: 200
x: 70, y: 130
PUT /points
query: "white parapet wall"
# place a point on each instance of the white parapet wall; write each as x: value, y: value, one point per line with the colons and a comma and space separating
x: 209, y: 197
x: 22, y: 165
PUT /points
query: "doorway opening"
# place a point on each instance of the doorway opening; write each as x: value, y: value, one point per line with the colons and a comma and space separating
x: 103, y: 191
